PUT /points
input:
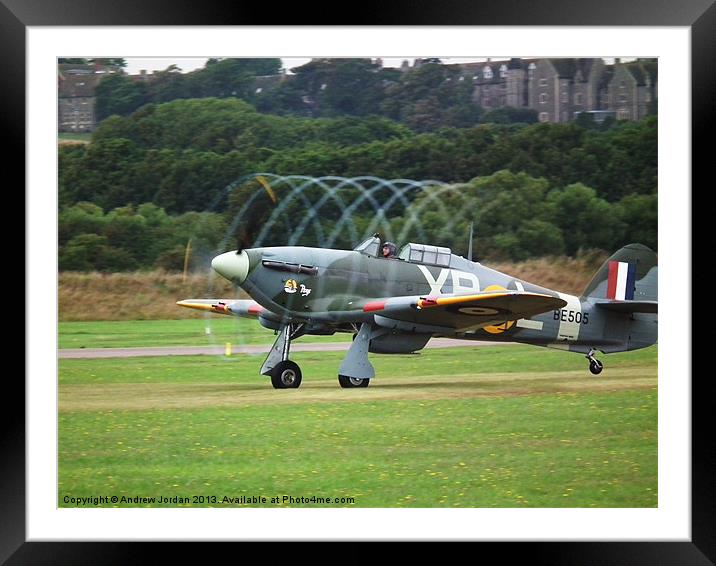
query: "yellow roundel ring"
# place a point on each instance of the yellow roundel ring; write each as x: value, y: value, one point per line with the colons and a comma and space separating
x: 498, y: 329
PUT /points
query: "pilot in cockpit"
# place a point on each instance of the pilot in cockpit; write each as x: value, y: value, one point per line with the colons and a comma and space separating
x: 389, y: 250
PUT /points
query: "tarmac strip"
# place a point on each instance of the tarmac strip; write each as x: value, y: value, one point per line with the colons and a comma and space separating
x: 220, y: 350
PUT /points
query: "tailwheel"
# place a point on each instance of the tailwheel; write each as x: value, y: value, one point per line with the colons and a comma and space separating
x: 595, y: 366
x: 349, y: 382
x: 286, y: 375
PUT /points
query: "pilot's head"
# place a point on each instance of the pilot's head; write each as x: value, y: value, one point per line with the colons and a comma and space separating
x: 388, y: 249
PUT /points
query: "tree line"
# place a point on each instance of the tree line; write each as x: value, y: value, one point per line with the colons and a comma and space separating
x: 131, y: 237
x: 516, y: 216
x: 180, y: 155
x: 150, y: 181
x: 424, y: 98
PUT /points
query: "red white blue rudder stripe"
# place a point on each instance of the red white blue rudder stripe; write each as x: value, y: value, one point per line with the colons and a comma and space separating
x: 620, y: 284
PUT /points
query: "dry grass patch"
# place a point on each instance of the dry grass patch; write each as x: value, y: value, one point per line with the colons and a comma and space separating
x: 134, y: 296
x: 152, y: 295
x: 565, y: 274
x: 150, y: 396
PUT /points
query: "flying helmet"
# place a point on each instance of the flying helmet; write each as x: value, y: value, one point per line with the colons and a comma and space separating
x: 391, y: 249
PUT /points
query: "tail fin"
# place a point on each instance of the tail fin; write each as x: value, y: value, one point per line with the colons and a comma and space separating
x: 629, y: 275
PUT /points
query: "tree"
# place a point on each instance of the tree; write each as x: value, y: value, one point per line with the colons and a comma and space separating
x: 509, y: 115
x: 118, y: 94
x: 339, y: 86
x: 87, y: 252
x: 232, y: 77
x: 537, y: 238
x: 81, y: 218
x: 510, y: 208
x: 431, y: 96
x: 586, y: 220
x: 111, y: 62
x: 640, y: 214
x: 169, y: 84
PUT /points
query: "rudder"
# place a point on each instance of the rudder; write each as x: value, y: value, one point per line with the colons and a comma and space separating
x: 631, y: 274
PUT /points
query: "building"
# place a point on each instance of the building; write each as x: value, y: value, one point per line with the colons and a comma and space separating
x: 631, y: 91
x: 559, y: 89
x: 76, y: 84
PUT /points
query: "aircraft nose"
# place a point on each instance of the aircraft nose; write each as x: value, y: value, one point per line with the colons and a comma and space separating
x: 233, y: 266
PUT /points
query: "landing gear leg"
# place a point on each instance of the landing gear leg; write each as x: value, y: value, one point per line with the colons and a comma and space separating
x: 284, y: 373
x: 356, y: 370
x: 595, y: 366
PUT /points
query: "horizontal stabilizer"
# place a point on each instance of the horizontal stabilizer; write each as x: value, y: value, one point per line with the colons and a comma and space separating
x: 629, y: 306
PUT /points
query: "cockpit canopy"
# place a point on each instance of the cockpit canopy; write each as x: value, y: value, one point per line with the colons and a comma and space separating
x: 424, y: 253
x: 369, y: 247
x: 414, y: 253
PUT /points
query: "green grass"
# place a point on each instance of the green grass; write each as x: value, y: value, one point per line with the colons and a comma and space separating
x: 503, y: 426
x: 188, y: 332
x: 80, y: 136
x: 242, y: 369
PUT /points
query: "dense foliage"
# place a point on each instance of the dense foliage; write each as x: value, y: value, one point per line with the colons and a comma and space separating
x: 425, y: 98
x: 128, y: 238
x: 154, y: 177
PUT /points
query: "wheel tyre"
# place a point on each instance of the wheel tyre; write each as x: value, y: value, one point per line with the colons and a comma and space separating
x: 352, y: 382
x: 596, y: 367
x: 286, y: 375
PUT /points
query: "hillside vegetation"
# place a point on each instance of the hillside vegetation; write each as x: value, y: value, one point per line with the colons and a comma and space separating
x: 177, y: 167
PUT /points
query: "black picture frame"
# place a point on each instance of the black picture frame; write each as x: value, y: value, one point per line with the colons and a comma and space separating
x: 17, y: 15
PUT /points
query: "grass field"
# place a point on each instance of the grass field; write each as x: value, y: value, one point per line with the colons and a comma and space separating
x: 191, y: 332
x: 502, y: 426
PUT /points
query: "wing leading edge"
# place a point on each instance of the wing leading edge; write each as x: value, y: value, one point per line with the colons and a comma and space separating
x: 241, y: 307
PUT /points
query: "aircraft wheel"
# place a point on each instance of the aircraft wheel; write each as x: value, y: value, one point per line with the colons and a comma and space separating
x: 350, y: 382
x: 596, y: 367
x: 286, y: 375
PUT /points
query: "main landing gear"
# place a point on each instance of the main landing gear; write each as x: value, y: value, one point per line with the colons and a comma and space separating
x: 355, y: 371
x: 284, y: 373
x: 595, y: 366
x: 346, y: 381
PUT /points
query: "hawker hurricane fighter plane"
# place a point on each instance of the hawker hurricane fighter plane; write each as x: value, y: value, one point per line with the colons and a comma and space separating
x: 394, y: 304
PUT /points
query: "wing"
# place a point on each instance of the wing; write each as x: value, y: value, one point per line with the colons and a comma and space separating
x: 237, y: 307
x: 463, y: 312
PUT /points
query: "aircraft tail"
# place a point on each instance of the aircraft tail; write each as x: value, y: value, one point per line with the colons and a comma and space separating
x: 624, y: 292
x: 628, y: 278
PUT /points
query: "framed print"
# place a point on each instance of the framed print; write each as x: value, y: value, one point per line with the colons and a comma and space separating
x: 40, y: 522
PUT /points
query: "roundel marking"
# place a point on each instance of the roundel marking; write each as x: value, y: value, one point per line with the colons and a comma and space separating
x: 499, y: 328
x: 481, y: 311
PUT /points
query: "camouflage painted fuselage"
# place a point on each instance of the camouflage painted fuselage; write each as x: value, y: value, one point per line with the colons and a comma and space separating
x: 336, y: 290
